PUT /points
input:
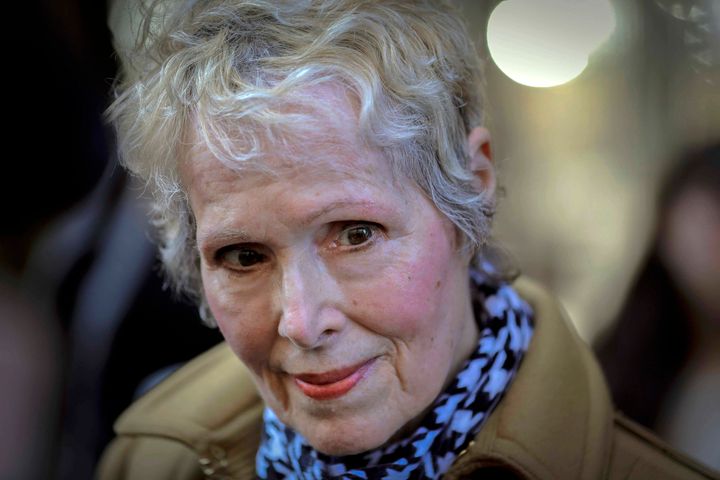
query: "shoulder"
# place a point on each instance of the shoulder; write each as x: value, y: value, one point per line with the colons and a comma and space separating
x: 205, y: 419
x: 557, y: 421
x: 638, y: 454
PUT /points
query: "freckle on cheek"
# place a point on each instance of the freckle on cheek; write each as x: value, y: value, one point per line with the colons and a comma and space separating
x: 437, y: 284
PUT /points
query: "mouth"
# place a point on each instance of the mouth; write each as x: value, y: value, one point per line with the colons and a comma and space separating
x: 334, y: 383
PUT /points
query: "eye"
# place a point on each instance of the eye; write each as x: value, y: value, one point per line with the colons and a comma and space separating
x: 240, y: 258
x: 356, y: 234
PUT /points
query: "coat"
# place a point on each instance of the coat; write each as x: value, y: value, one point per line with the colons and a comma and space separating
x: 556, y: 421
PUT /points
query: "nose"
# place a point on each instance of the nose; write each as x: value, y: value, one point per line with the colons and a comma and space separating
x: 309, y: 316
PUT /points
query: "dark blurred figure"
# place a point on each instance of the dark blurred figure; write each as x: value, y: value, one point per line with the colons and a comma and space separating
x: 55, y: 152
x: 30, y: 374
x: 662, y: 358
x: 85, y: 323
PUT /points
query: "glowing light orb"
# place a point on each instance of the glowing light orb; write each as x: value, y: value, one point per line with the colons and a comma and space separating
x: 543, y: 43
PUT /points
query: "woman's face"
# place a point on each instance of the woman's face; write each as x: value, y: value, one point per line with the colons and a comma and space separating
x: 340, y: 288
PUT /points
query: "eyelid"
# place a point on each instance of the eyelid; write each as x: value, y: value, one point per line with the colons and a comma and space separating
x: 219, y: 254
x: 376, y: 228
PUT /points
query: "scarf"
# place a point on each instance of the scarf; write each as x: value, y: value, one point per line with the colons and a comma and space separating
x: 506, y: 325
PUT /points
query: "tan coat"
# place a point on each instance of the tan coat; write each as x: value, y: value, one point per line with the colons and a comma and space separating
x: 555, y: 422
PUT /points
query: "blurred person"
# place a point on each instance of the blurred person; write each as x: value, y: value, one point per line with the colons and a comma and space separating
x: 662, y: 358
x: 78, y: 276
x: 323, y: 189
x: 56, y: 157
x: 30, y: 375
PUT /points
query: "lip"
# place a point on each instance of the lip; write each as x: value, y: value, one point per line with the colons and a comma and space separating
x: 334, y: 383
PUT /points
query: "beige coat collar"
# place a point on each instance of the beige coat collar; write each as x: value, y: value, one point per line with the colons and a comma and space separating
x: 556, y: 419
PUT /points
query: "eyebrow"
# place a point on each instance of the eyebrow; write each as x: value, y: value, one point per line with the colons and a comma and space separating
x: 309, y: 219
x: 222, y: 235
x: 239, y: 235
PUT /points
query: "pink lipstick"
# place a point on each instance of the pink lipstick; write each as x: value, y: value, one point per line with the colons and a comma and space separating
x: 332, y: 384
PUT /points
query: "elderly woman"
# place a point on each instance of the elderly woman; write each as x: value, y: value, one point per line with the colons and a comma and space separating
x: 324, y: 189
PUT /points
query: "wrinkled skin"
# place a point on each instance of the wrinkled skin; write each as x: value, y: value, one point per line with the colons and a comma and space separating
x: 329, y: 263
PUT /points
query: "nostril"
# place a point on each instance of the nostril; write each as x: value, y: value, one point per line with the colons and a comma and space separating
x: 296, y: 326
x: 326, y: 335
x: 305, y: 331
x: 309, y: 312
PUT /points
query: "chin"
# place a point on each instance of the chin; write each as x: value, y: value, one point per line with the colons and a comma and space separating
x: 341, y: 447
x: 338, y: 441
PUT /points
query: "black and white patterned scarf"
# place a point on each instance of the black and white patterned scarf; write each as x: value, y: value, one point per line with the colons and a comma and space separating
x: 506, y: 327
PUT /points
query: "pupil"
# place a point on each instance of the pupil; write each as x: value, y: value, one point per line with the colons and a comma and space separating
x: 248, y: 258
x: 358, y: 235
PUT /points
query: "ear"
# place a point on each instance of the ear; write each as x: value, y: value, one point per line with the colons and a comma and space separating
x: 481, y: 164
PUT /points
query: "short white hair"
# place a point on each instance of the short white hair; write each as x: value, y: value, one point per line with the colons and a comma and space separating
x: 229, y: 69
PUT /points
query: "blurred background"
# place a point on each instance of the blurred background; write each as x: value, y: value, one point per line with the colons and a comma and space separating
x: 606, y: 124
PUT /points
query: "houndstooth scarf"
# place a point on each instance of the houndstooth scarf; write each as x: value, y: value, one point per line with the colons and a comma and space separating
x: 506, y: 326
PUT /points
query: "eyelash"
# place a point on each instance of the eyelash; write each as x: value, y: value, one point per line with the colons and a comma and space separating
x: 375, y: 229
x: 221, y: 260
x: 343, y: 228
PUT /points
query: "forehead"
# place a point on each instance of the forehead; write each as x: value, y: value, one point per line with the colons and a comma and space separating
x: 293, y: 186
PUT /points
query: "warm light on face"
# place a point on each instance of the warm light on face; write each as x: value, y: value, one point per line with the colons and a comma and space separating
x: 340, y: 286
x: 544, y: 43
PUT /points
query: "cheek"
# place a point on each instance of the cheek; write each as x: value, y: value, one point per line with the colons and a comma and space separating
x: 244, y: 321
x: 408, y: 298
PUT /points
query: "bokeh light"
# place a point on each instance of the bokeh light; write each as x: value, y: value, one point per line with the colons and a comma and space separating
x: 544, y: 43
